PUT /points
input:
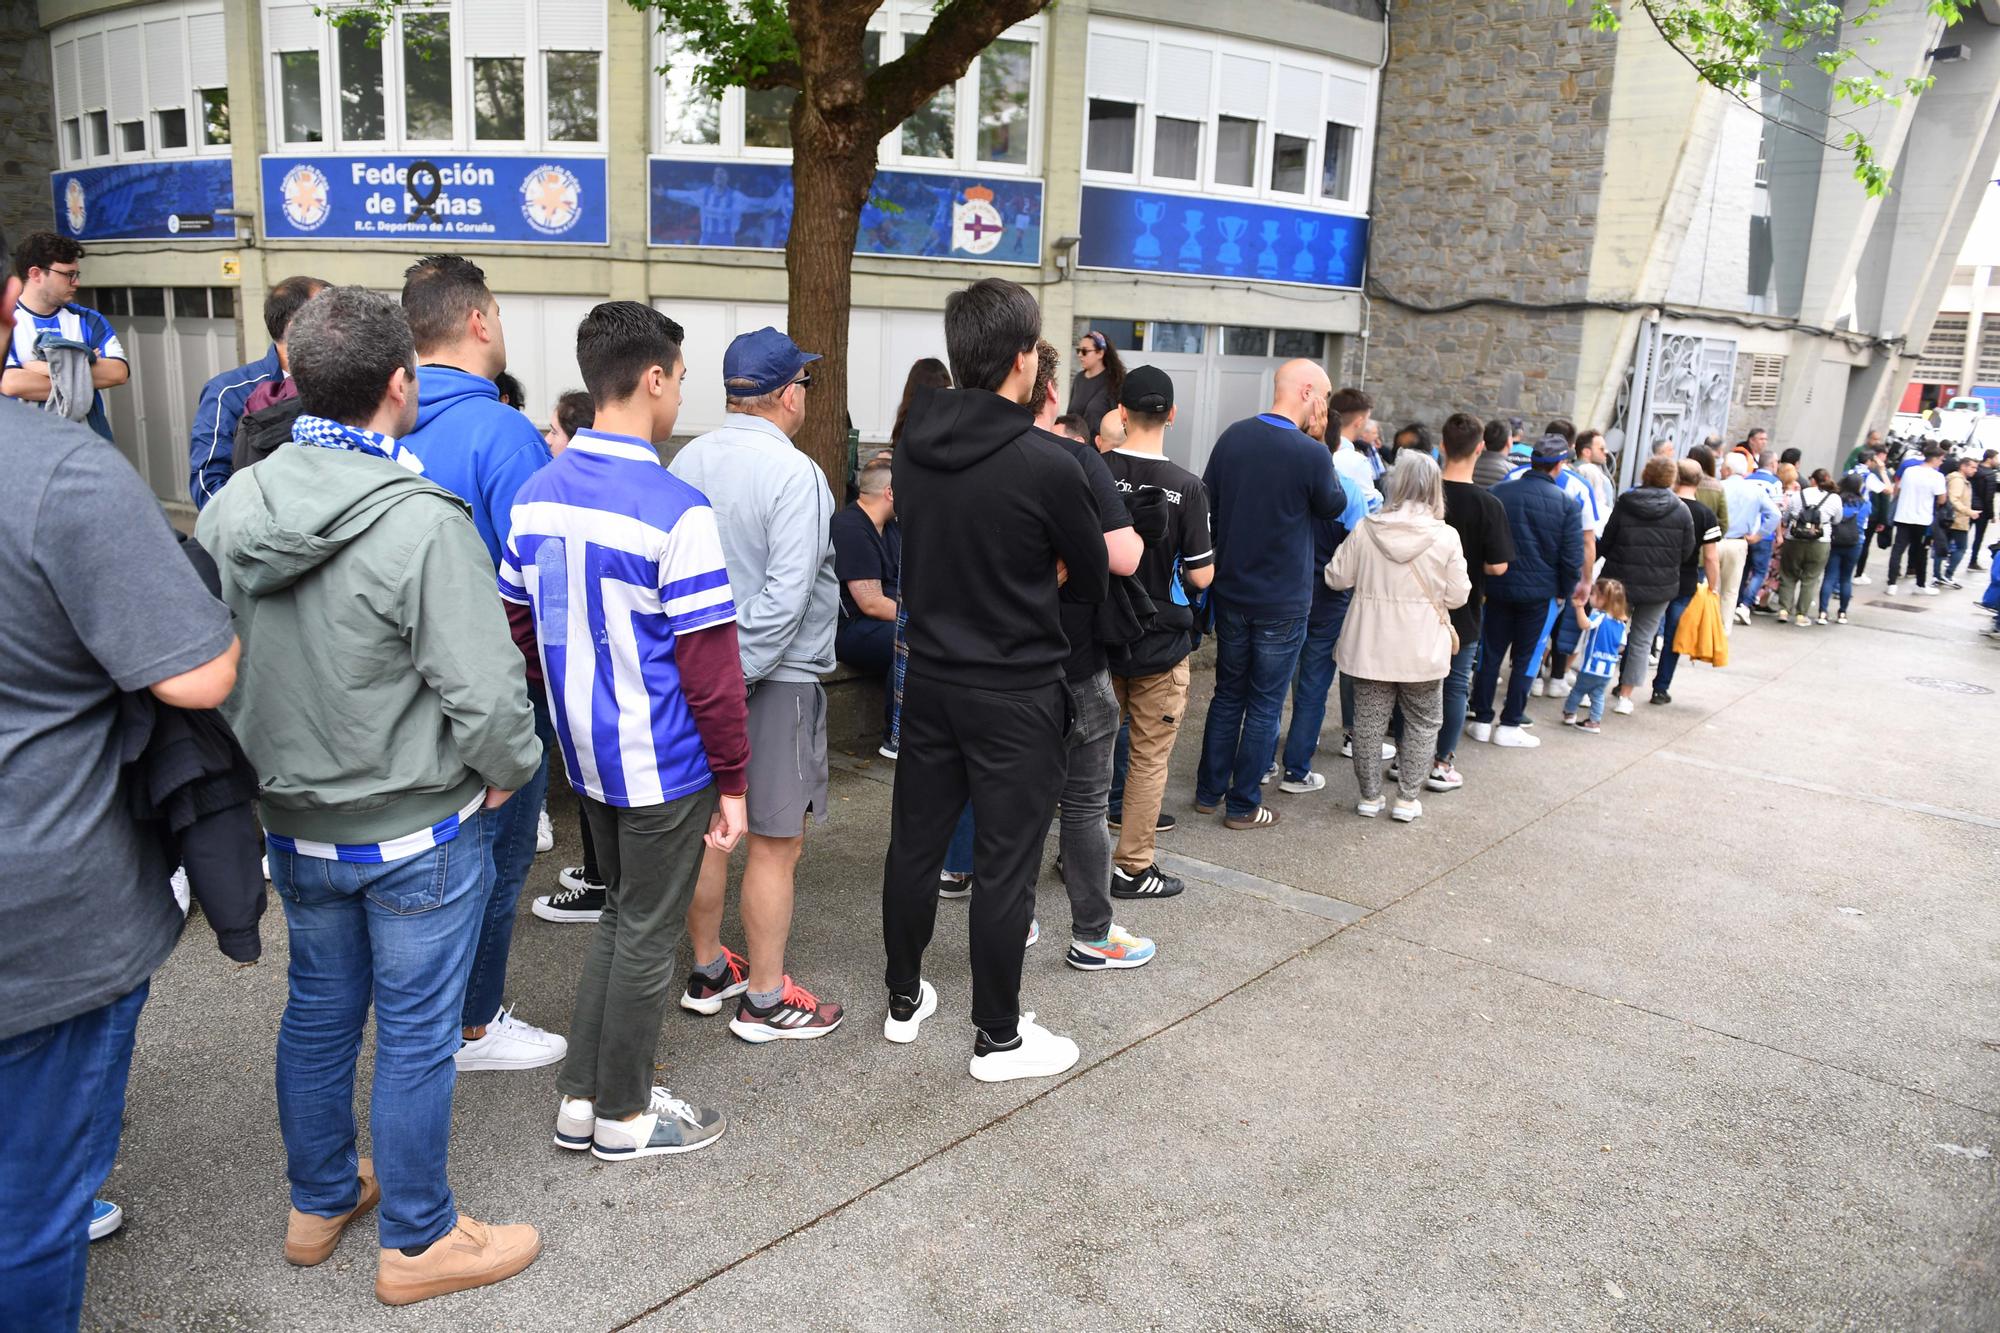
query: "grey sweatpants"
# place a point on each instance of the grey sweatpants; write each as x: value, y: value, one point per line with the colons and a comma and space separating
x: 1423, y: 713
x: 650, y: 856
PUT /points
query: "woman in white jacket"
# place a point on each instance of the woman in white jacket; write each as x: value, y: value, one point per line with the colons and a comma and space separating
x: 1407, y: 570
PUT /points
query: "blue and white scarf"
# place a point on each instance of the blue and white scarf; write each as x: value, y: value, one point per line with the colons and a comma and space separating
x: 325, y: 434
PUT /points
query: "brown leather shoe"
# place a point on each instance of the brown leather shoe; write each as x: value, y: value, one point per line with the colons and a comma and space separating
x: 470, y: 1255
x: 310, y: 1238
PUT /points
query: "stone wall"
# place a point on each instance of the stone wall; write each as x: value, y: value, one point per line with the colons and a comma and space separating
x: 1491, y: 154
x: 27, y: 121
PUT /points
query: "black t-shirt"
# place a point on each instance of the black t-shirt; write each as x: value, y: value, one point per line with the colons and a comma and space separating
x: 1481, y: 522
x: 1079, y: 619
x: 861, y: 553
x: 1187, y: 540
x: 1707, y: 531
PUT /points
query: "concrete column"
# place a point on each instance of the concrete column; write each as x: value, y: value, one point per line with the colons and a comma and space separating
x: 243, y: 22
x: 628, y: 89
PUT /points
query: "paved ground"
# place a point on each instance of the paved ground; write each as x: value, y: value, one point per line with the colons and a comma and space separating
x: 1695, y: 1024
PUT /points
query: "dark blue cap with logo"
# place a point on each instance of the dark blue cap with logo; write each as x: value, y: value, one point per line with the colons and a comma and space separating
x: 1551, y: 448
x: 761, y: 362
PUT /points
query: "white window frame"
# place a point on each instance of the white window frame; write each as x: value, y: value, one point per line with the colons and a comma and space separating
x: 895, y: 20
x: 65, y: 50
x: 1276, y: 57
x: 534, y: 49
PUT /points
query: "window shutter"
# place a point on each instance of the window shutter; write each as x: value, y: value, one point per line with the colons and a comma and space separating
x: 208, y: 49
x: 1246, y: 87
x: 128, y: 96
x: 166, y: 64
x: 90, y: 70
x: 292, y: 28
x: 1299, y: 93
x: 65, y: 80
x: 1347, y: 100
x: 571, y: 25
x: 495, y: 28
x: 1117, y: 68
x: 1181, y: 87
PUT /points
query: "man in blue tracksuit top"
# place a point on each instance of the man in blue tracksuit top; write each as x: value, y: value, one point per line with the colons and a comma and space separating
x: 481, y: 450
x: 224, y: 399
x: 1267, y: 481
x: 1548, y: 561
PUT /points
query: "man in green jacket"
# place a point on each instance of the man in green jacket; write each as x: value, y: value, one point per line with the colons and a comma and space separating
x: 384, y: 705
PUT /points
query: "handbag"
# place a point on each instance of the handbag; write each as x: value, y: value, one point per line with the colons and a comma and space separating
x: 1444, y: 616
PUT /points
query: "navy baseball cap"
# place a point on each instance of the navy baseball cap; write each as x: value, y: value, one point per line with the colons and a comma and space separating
x: 762, y: 362
x: 1550, y: 447
x: 1147, y: 389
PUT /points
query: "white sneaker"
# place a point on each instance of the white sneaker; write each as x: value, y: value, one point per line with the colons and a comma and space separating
x: 545, y: 833
x: 903, y: 1031
x: 669, y: 1125
x: 1928, y: 590
x: 1624, y: 704
x: 1515, y: 738
x: 1298, y: 787
x: 1892, y: 589
x: 1270, y: 774
x: 1368, y: 809
x: 1863, y: 578
x: 576, y: 1123
x: 1479, y: 731
x: 510, y: 1044
x: 1039, y: 1054
x: 888, y: 751
x: 1822, y: 618
x: 1405, y: 811
x: 1388, y: 751
x: 1538, y: 688
x: 1034, y: 932
x: 1742, y: 612
x: 1444, y: 778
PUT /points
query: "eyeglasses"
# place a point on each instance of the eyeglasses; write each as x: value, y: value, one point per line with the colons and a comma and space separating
x: 73, y: 274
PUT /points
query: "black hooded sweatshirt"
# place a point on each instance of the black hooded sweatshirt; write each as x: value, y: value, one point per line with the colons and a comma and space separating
x: 1649, y: 539
x: 988, y: 504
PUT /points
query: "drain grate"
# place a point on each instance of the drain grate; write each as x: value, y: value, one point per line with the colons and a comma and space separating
x: 1891, y: 604
x: 1948, y: 686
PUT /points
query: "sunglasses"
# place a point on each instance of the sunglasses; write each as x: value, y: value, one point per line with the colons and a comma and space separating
x: 804, y: 381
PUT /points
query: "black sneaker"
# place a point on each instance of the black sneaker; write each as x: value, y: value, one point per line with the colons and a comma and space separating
x: 1152, y: 882
x: 706, y: 994
x: 798, y: 1015
x: 1164, y: 824
x: 583, y: 904
x: 1662, y: 697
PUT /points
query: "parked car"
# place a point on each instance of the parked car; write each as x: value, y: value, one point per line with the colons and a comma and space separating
x: 1954, y: 423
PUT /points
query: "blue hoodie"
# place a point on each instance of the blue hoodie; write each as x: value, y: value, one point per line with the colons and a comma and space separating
x: 475, y: 446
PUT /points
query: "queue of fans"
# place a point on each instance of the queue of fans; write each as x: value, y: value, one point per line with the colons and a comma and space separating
x: 403, y: 604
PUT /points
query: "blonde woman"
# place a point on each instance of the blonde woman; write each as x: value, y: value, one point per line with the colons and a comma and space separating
x: 1407, y: 571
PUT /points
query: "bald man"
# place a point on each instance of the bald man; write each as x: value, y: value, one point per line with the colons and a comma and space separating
x: 1267, y: 482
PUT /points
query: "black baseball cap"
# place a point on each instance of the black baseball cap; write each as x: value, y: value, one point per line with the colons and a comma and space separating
x: 1147, y: 389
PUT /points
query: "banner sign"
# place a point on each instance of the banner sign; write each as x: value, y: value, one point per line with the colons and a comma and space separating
x: 438, y: 196
x: 1220, y: 238
x: 916, y: 215
x: 146, y: 201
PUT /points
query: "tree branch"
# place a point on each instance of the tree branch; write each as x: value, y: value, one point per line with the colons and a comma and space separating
x: 959, y: 31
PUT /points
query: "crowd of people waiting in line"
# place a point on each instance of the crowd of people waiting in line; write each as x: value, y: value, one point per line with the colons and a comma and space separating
x: 402, y: 602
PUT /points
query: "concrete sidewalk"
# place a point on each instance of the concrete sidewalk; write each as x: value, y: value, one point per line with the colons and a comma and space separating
x: 1692, y: 1024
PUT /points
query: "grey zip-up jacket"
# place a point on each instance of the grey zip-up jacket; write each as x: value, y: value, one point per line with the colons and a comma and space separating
x: 380, y: 689
x: 775, y: 513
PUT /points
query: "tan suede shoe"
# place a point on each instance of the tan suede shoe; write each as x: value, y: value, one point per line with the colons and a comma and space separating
x: 471, y: 1254
x: 310, y: 1238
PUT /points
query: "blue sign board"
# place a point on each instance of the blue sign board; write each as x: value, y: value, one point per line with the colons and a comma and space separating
x: 917, y: 215
x: 440, y: 196
x: 143, y: 201
x: 1219, y: 238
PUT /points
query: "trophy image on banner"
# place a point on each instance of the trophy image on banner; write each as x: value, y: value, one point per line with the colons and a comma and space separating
x: 1302, y: 264
x: 1267, y: 258
x: 1146, y: 246
x: 1230, y: 255
x: 1191, y: 248
x: 1336, y: 264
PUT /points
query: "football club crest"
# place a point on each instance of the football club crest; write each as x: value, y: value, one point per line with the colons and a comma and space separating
x: 551, y: 199
x: 976, y: 226
x: 75, y: 209
x: 305, y: 195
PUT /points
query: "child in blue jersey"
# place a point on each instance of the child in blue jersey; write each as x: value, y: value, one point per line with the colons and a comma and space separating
x: 1598, y: 651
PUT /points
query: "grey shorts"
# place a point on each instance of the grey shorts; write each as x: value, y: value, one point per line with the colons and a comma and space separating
x: 787, y: 757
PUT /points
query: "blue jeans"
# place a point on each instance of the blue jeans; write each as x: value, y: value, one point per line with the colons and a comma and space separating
x: 958, y: 856
x: 1756, y: 565
x: 1591, y: 688
x: 1663, y: 675
x: 513, y: 858
x: 1121, y: 760
x: 1511, y: 630
x: 1947, y: 549
x: 402, y: 936
x: 1457, y: 694
x: 1254, y: 661
x: 64, y: 1089
x: 1310, y: 684
x: 1841, y: 565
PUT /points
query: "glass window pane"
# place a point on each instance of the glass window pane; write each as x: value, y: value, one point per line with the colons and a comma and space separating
x: 1246, y: 342
x: 298, y: 78
x: 149, y: 303
x: 73, y: 140
x: 572, y: 79
x: 499, y: 98
x: 427, y: 76
x: 100, y: 134
x: 1288, y: 163
x: 222, y: 301
x: 190, y: 303
x: 1124, y: 334
x: 132, y: 136
x: 1235, y: 151
x: 171, y: 128
x: 690, y: 116
x: 767, y: 117
x: 1006, y: 71
x: 1336, y: 174
x: 1175, y: 337
x: 1176, y: 148
x: 932, y: 131
x: 360, y: 48
x: 215, y: 111
x: 1114, y: 136
x: 1307, y: 343
x: 871, y: 51
x: 111, y: 300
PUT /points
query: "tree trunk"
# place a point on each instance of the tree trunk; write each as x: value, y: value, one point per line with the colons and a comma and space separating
x: 830, y: 183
